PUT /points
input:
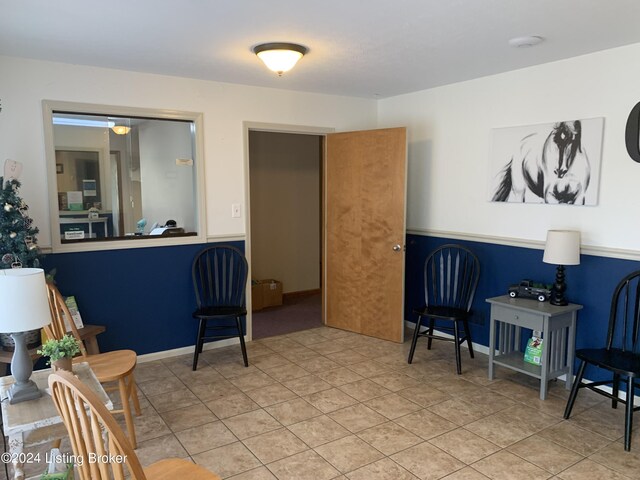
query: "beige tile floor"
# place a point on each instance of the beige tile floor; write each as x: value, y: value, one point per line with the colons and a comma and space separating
x: 327, y: 404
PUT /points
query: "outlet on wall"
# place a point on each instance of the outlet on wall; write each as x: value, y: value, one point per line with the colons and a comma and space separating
x: 235, y: 210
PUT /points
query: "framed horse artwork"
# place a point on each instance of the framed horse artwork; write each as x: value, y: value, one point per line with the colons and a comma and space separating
x: 548, y: 163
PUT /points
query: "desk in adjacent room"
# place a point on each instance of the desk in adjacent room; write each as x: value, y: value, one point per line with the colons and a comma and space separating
x: 88, y: 221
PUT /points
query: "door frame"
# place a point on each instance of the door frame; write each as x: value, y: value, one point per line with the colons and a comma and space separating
x: 272, y: 128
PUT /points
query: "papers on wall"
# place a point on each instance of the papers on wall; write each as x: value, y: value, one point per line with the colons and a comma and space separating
x: 74, y: 200
x: 89, y: 188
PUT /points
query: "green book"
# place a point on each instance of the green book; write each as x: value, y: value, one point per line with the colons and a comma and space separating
x: 533, y: 352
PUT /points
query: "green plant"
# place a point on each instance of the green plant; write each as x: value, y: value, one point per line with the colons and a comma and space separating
x: 54, y: 349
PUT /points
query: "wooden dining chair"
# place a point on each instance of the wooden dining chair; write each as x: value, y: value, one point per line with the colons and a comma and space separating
x: 95, y: 435
x: 219, y: 275
x: 116, y: 366
x: 451, y: 274
x: 619, y: 359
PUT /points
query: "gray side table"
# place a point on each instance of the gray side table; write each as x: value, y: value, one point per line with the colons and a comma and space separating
x: 557, y: 326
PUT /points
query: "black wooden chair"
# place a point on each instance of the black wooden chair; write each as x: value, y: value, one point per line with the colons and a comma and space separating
x: 620, y: 357
x: 451, y: 275
x: 219, y: 279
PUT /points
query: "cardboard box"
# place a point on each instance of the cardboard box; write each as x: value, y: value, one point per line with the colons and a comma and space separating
x: 257, y: 302
x: 271, y: 292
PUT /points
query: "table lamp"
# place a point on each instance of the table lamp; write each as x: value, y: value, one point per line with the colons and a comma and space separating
x: 562, y: 248
x: 24, y: 306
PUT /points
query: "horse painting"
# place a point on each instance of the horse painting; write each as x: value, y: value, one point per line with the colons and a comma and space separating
x: 547, y: 167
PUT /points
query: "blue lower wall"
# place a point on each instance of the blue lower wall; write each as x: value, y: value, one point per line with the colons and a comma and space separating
x: 143, y: 296
x: 590, y: 284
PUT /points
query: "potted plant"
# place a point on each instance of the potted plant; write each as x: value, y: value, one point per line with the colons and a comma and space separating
x: 60, y: 352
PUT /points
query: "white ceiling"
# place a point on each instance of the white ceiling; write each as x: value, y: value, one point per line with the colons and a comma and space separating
x: 365, y: 48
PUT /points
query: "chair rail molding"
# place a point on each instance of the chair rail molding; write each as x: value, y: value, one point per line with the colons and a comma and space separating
x: 597, y: 251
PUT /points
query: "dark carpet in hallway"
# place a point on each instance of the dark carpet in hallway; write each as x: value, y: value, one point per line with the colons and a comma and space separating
x: 295, y: 314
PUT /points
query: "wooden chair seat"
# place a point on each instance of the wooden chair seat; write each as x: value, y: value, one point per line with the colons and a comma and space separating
x: 615, y: 360
x: 93, y: 430
x: 110, y: 366
x: 178, y: 468
x: 116, y: 366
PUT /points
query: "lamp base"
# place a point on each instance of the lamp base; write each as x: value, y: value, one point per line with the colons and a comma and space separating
x: 559, y: 303
x: 559, y: 287
x: 21, y: 368
x: 23, y: 392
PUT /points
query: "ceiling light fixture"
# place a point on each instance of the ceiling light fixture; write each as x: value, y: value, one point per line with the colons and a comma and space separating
x: 526, y: 41
x: 120, y: 129
x: 280, y: 57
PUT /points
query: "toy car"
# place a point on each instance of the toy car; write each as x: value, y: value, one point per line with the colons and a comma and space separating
x: 529, y: 289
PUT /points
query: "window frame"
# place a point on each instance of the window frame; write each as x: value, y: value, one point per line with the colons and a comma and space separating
x: 51, y: 106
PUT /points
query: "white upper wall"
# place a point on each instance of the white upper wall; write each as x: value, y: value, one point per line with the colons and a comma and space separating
x: 449, y: 137
x: 449, y: 132
x: 25, y: 83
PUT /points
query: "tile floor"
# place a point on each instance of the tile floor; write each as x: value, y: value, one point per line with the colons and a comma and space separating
x: 327, y: 404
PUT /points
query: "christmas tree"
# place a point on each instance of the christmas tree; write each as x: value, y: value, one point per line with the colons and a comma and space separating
x: 17, y: 235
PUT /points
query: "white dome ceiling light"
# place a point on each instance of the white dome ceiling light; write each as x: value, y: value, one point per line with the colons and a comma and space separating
x: 280, y: 57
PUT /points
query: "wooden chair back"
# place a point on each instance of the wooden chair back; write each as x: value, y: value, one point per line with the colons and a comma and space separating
x: 219, y: 276
x: 624, y: 317
x: 93, y: 431
x: 59, y: 312
x: 451, y: 274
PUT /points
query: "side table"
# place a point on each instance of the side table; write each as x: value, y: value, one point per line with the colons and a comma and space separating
x: 37, y: 421
x: 558, y: 329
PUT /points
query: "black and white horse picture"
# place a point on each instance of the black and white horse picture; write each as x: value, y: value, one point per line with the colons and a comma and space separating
x: 550, y: 164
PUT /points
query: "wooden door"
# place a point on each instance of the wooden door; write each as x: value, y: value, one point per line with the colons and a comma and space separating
x: 365, y: 179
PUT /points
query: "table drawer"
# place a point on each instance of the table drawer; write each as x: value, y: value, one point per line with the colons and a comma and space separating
x: 517, y: 317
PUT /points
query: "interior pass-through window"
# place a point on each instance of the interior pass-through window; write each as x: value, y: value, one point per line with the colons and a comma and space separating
x: 123, y: 177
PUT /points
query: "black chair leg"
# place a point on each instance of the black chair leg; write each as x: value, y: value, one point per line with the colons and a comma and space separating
x: 628, y: 421
x: 431, y: 323
x: 574, y: 390
x: 456, y: 342
x: 242, y: 345
x: 467, y: 334
x: 416, y: 334
x: 199, y: 342
x: 616, y: 390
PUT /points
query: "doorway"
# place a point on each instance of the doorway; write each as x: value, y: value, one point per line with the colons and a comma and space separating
x: 285, y: 224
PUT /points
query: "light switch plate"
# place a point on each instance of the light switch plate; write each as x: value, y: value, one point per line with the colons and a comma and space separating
x: 235, y: 210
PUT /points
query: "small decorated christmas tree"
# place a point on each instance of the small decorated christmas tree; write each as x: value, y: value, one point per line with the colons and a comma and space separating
x: 17, y: 234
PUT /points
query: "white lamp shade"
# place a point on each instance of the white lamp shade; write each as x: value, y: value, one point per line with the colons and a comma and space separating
x: 24, y: 303
x: 562, y: 247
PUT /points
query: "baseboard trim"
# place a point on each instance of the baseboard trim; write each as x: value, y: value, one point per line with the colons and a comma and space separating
x: 476, y: 346
x: 300, y: 293
x: 176, y: 352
